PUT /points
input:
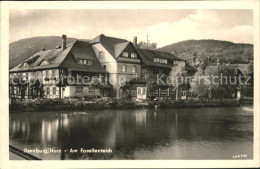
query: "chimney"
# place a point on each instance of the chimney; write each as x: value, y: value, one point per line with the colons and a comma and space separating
x: 135, y: 41
x: 64, y: 37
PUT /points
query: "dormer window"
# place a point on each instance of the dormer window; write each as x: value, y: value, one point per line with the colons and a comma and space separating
x: 25, y: 65
x: 80, y: 61
x: 44, y: 62
x: 84, y: 62
x: 89, y: 62
x: 182, y: 63
x: 160, y: 60
x: 156, y: 60
x: 100, y: 54
x: 125, y: 54
x: 175, y: 62
x: 163, y: 61
x: 133, y: 55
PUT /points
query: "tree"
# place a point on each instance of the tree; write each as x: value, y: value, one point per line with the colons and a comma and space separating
x: 96, y: 84
x: 144, y: 45
x: 151, y: 87
x: 178, y: 78
x: 199, y: 84
x: 125, y: 87
x: 225, y: 85
x: 35, y: 85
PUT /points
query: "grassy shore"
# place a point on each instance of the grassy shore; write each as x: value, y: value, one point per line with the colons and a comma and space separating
x: 105, y: 103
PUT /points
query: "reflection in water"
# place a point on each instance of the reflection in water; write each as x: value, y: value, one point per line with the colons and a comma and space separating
x: 140, y: 134
x: 49, y: 132
x: 140, y: 117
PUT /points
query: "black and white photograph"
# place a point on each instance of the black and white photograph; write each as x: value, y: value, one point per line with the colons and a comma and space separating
x: 125, y: 83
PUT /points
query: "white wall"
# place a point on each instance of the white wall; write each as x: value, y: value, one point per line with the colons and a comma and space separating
x: 66, y: 92
x: 106, y: 59
x: 70, y: 91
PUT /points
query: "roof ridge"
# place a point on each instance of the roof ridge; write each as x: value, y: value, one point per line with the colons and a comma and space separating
x: 112, y: 37
x: 122, y: 43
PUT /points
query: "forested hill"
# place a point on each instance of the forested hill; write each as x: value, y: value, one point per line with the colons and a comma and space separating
x: 209, y: 50
x: 22, y: 49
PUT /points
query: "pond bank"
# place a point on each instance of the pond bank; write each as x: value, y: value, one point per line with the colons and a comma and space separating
x: 106, y: 103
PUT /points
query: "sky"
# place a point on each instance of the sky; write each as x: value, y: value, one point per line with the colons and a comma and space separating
x: 164, y: 26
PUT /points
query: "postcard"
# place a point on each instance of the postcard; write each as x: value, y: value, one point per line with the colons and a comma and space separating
x: 132, y: 84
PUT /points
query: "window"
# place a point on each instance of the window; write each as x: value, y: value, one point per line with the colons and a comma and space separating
x: 133, y: 93
x: 182, y: 63
x: 134, y: 68
x: 91, y: 91
x: 133, y: 55
x: 155, y: 71
x: 143, y: 91
x: 79, y: 90
x: 125, y: 54
x: 104, y: 67
x: 160, y: 60
x: 139, y: 91
x: 53, y: 73
x: 25, y: 65
x: 44, y: 62
x: 18, y: 91
x: 163, y: 61
x: 175, y: 62
x: 84, y: 62
x: 38, y: 74
x: 183, y: 93
x: 89, y: 62
x: 100, y: 54
x: 47, y: 73
x: 124, y: 67
x: 54, y: 90
x: 80, y: 61
x: 47, y: 91
x: 156, y: 60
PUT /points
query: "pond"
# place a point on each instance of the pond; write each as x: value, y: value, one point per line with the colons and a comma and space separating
x: 145, y: 134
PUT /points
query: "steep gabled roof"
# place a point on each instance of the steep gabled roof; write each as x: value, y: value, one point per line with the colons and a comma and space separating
x: 118, y: 48
x: 53, y: 56
x: 58, y: 58
x: 82, y: 50
x: 108, y: 42
x: 149, y: 55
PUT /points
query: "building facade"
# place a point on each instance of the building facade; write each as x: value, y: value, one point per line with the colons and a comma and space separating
x: 123, y: 69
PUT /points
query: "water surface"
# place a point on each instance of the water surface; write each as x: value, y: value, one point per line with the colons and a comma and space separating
x: 197, y: 133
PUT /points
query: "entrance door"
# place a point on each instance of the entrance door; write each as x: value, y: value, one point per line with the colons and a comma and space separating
x: 141, y: 93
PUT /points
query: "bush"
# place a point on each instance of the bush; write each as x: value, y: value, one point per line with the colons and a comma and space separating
x: 198, y: 103
x: 123, y: 103
x: 54, y: 104
x: 101, y: 103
